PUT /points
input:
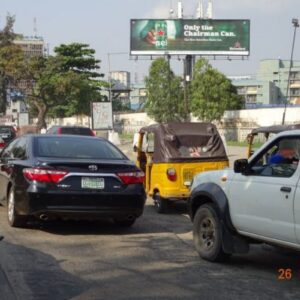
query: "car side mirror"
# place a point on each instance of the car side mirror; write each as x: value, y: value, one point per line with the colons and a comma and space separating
x: 240, y: 165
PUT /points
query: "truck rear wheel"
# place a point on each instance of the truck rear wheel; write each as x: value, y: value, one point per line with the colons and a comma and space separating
x: 207, y: 233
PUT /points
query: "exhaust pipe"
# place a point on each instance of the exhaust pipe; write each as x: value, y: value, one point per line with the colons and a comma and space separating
x: 44, y: 217
x: 130, y: 217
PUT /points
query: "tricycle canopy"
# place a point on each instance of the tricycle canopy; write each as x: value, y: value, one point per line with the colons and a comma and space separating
x: 186, y: 141
x: 266, y: 131
x: 274, y: 129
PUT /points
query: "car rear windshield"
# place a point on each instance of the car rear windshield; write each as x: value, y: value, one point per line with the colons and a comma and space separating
x: 5, y: 130
x: 78, y: 148
x: 76, y: 130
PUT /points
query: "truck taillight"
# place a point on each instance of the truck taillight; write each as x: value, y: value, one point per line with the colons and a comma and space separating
x: 171, y: 174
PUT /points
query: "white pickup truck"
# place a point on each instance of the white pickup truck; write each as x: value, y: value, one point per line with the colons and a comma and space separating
x: 257, y: 201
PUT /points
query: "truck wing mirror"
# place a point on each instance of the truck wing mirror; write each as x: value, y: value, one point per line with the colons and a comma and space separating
x: 240, y: 165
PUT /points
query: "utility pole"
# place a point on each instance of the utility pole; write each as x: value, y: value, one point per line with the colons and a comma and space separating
x: 295, y: 23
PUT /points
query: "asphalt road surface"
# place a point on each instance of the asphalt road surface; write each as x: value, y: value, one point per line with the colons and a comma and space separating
x: 155, y: 259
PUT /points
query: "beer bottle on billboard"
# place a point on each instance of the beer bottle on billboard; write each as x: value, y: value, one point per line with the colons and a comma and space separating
x: 161, y: 35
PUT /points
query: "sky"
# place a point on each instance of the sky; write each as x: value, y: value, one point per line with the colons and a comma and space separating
x: 105, y: 26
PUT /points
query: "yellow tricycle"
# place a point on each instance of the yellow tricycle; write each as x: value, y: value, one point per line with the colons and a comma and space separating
x: 172, y: 154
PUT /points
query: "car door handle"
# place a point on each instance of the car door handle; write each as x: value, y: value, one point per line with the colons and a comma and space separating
x: 286, y: 189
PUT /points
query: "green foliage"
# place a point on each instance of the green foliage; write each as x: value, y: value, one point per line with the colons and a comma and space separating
x: 212, y: 93
x: 118, y: 105
x: 11, y: 61
x: 78, y: 58
x: 164, y: 93
x: 7, y: 34
x: 64, y: 84
x: 83, y: 84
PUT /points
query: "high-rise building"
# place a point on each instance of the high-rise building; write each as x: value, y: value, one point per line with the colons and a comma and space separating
x: 16, y: 100
x: 277, y: 72
x: 31, y: 46
x: 270, y: 86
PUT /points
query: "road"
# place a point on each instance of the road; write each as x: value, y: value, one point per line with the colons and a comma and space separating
x: 155, y: 259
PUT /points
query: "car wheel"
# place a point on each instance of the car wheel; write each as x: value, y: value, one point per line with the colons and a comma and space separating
x: 207, y: 233
x: 125, y: 223
x: 14, y: 220
x: 160, y: 204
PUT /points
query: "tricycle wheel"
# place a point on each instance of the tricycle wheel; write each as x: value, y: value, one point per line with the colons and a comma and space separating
x: 160, y: 204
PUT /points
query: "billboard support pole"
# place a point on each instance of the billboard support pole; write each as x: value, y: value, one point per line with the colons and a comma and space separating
x: 188, y: 66
x: 169, y: 78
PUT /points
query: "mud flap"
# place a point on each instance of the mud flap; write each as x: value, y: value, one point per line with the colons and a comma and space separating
x: 233, y: 243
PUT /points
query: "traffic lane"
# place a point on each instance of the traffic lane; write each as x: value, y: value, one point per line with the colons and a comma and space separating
x: 32, y: 274
x: 7, y: 291
x: 154, y: 259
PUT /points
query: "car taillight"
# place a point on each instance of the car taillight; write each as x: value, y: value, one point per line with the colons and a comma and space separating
x: 59, y: 131
x: 132, y: 177
x: 2, y: 144
x: 94, y: 132
x: 171, y: 174
x: 44, y: 175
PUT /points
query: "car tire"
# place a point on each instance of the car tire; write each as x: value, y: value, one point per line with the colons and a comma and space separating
x: 14, y: 220
x: 207, y: 233
x: 160, y: 204
x: 125, y: 222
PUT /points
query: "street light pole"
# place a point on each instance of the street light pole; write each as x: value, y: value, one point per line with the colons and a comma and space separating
x: 295, y: 23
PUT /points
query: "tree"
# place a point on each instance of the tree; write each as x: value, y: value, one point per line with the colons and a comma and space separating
x: 85, y: 85
x: 64, y: 84
x: 11, y: 61
x: 212, y: 93
x: 164, y: 93
x: 7, y: 34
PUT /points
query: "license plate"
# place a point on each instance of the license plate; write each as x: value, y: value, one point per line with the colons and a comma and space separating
x: 92, y: 183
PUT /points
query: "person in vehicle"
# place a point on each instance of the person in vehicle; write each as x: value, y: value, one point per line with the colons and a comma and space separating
x: 194, y: 152
x: 286, y: 153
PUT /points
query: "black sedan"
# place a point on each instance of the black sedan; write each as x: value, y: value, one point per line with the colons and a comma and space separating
x: 7, y: 133
x: 69, y: 177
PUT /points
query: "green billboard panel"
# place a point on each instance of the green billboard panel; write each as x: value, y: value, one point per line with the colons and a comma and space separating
x: 190, y: 36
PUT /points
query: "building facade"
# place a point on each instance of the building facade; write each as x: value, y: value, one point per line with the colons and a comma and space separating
x: 120, y: 88
x: 138, y: 96
x: 270, y: 87
x: 31, y: 46
x: 16, y: 101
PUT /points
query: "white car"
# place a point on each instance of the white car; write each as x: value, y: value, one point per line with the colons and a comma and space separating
x: 257, y: 201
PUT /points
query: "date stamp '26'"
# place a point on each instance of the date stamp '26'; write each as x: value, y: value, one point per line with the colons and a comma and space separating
x: 285, y: 274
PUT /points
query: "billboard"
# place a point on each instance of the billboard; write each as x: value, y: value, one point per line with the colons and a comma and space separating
x: 189, y: 36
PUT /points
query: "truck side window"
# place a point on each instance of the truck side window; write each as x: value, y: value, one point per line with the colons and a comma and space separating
x: 279, y: 160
